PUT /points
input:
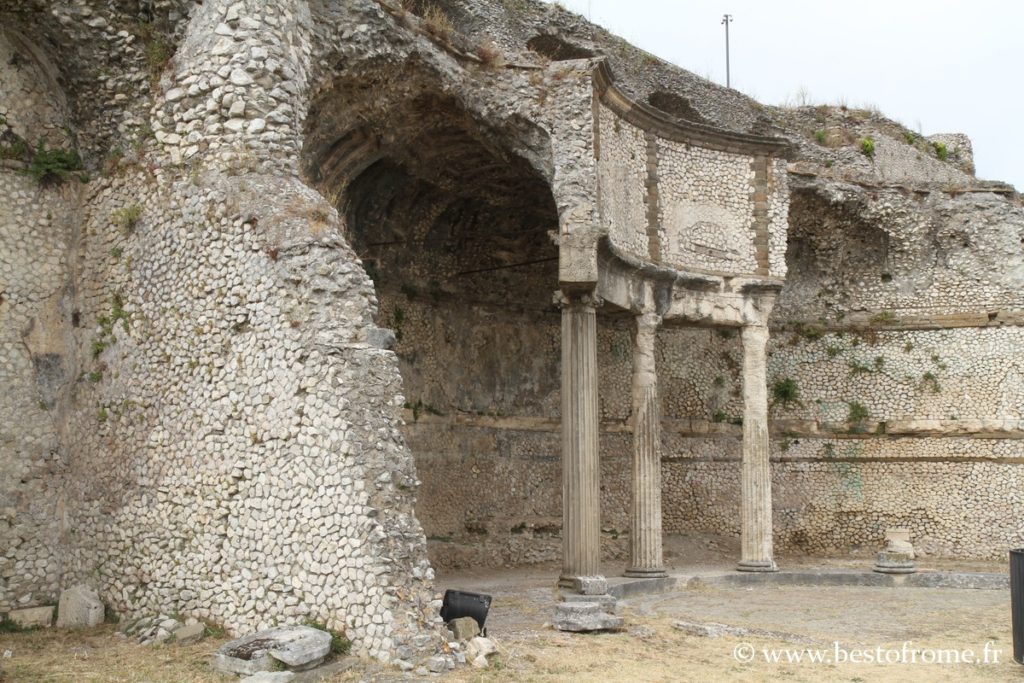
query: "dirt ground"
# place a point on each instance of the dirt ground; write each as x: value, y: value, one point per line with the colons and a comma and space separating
x: 866, y: 623
x: 907, y: 625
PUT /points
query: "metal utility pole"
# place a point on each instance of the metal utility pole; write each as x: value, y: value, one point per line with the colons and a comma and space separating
x: 727, y: 19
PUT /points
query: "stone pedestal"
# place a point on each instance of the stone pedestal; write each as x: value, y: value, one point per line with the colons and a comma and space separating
x: 755, y: 476
x: 898, y: 555
x: 645, y: 529
x: 581, y: 495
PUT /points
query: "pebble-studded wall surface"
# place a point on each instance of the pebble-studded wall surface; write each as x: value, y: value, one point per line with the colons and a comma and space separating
x: 204, y: 407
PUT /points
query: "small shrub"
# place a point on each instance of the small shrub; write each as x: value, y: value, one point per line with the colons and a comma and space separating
x: 785, y: 391
x: 489, y: 53
x: 437, y: 22
x: 858, y: 368
x: 820, y: 136
x: 941, y: 151
x: 127, y: 217
x: 932, y: 381
x: 102, y: 415
x: 910, y: 137
x: 157, y: 48
x: 95, y: 376
x: 883, y: 318
x: 810, y: 331
x: 719, y: 416
x: 53, y: 166
x: 908, y: 347
x: 867, y: 146
x: 832, y: 351
x: 18, y: 150
x: 857, y: 413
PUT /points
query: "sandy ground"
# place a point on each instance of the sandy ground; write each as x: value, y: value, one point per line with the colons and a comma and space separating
x: 866, y: 622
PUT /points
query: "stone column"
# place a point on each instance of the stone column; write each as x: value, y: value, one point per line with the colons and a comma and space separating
x: 645, y: 523
x: 755, y: 477
x: 581, y: 495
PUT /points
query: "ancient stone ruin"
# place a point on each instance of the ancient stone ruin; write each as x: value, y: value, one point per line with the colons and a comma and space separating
x: 301, y: 300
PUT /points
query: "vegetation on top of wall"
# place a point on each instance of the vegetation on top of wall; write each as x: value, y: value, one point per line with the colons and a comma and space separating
x: 52, y: 166
x: 940, y: 150
x: 867, y: 146
x: 435, y: 21
x: 490, y: 54
x: 808, y: 331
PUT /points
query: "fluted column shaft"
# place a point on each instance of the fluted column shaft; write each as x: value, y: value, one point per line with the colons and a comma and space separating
x: 755, y: 477
x: 645, y: 523
x: 581, y: 495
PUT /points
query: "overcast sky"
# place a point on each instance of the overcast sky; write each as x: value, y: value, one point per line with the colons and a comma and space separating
x: 945, y: 66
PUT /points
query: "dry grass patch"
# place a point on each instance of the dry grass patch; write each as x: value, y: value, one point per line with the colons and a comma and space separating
x: 437, y: 23
x: 59, y: 655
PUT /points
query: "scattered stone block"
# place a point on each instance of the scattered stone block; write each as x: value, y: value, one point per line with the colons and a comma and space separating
x: 480, y: 650
x: 297, y: 647
x: 464, y: 628
x: 186, y: 635
x: 585, y: 616
x: 31, y: 617
x: 437, y: 664
x: 79, y: 607
x: 608, y: 602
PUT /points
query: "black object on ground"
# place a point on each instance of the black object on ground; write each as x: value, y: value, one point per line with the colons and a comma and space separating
x: 464, y: 604
x: 1017, y: 602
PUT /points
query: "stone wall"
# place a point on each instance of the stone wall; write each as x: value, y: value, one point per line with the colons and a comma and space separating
x: 208, y: 414
x: 236, y: 451
x: 37, y: 226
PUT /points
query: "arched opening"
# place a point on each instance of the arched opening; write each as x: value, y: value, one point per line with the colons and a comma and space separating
x: 454, y: 228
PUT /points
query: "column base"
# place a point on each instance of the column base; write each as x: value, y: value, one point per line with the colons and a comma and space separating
x: 757, y: 566
x: 584, y: 585
x: 645, y: 573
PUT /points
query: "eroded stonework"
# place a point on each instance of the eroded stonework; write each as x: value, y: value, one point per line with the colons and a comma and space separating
x: 291, y: 326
